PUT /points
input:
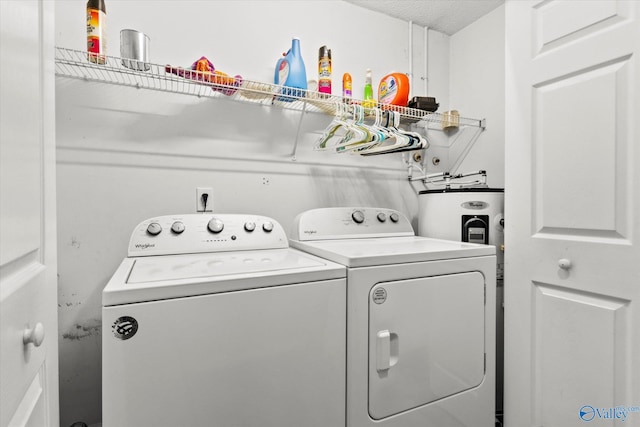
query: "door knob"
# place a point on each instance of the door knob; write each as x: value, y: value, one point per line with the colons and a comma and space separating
x: 35, y: 335
x: 564, y: 264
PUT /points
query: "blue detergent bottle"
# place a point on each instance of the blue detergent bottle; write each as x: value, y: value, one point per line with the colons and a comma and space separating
x: 291, y: 72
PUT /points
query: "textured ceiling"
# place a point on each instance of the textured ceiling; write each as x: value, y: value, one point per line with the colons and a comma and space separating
x: 446, y: 16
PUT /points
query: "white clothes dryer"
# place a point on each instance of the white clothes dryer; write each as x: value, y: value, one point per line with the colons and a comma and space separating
x: 215, y: 321
x: 420, y: 319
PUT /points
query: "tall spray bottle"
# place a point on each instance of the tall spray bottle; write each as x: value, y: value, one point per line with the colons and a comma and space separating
x: 324, y: 70
x: 347, y: 85
x: 368, y: 91
x: 291, y: 72
x: 96, y: 32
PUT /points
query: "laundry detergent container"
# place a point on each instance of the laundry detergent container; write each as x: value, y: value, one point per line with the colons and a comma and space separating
x: 472, y: 215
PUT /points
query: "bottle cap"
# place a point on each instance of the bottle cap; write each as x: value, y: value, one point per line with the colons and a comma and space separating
x: 324, y: 51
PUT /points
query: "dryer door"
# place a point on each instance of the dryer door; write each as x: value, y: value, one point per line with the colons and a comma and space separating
x: 426, y: 340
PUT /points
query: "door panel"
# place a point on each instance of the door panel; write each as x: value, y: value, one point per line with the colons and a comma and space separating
x: 20, y: 174
x: 580, y: 351
x: 426, y: 340
x: 572, y: 197
x: 552, y: 28
x: 588, y: 198
x: 32, y: 411
x: 21, y: 310
x: 28, y: 282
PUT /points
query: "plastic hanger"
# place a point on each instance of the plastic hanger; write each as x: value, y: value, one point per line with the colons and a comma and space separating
x: 380, y: 133
x: 335, y: 130
x: 358, y: 135
x: 399, y: 139
x: 405, y: 140
x: 384, y: 132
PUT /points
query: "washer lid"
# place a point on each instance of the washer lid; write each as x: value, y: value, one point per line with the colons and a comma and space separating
x: 173, y: 276
x: 214, y: 265
x: 391, y: 250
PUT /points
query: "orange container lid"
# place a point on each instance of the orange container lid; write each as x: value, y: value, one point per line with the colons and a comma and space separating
x: 394, y: 89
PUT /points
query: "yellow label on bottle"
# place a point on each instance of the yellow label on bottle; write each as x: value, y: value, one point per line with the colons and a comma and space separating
x: 324, y: 67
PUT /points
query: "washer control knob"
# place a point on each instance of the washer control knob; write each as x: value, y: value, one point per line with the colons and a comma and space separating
x: 177, y: 227
x: 154, y: 229
x: 215, y: 225
x: 382, y: 217
x: 267, y: 226
x: 358, y: 217
x: 249, y: 226
x: 394, y: 217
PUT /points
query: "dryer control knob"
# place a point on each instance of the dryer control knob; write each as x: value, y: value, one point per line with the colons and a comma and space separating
x: 154, y: 229
x: 177, y: 227
x: 382, y: 217
x: 249, y: 226
x: 215, y: 225
x: 267, y: 226
x: 358, y: 217
x: 394, y: 217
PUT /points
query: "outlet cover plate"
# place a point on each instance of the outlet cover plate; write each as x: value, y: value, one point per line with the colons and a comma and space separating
x: 200, y: 207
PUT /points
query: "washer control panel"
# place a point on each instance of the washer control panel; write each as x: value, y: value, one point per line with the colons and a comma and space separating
x: 196, y: 233
x: 350, y: 223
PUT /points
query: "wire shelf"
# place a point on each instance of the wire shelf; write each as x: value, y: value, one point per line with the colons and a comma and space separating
x: 75, y: 64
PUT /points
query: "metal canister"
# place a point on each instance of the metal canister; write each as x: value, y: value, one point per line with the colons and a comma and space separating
x: 134, y: 50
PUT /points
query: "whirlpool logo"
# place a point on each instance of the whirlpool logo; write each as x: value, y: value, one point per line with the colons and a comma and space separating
x: 145, y: 245
x: 124, y: 327
x: 589, y: 413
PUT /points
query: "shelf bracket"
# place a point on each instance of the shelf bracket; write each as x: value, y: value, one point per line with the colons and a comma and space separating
x: 464, y: 147
x: 295, y: 143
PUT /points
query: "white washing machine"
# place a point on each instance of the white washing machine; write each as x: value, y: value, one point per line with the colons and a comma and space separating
x: 215, y: 321
x: 420, y: 319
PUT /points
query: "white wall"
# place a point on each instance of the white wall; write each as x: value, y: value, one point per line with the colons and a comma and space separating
x: 477, y: 90
x: 125, y: 154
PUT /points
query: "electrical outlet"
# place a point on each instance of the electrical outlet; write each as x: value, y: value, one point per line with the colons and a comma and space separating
x: 201, y: 194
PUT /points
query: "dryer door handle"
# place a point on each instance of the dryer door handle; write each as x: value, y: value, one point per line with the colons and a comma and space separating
x: 387, y: 349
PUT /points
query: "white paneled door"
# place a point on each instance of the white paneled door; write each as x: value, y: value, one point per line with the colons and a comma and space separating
x: 572, y: 257
x: 28, y: 283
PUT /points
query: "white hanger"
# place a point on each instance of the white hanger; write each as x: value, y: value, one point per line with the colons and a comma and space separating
x: 404, y: 140
x: 359, y: 134
x: 335, y: 130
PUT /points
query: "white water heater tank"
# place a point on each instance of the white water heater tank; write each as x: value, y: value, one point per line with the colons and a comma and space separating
x: 474, y: 215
